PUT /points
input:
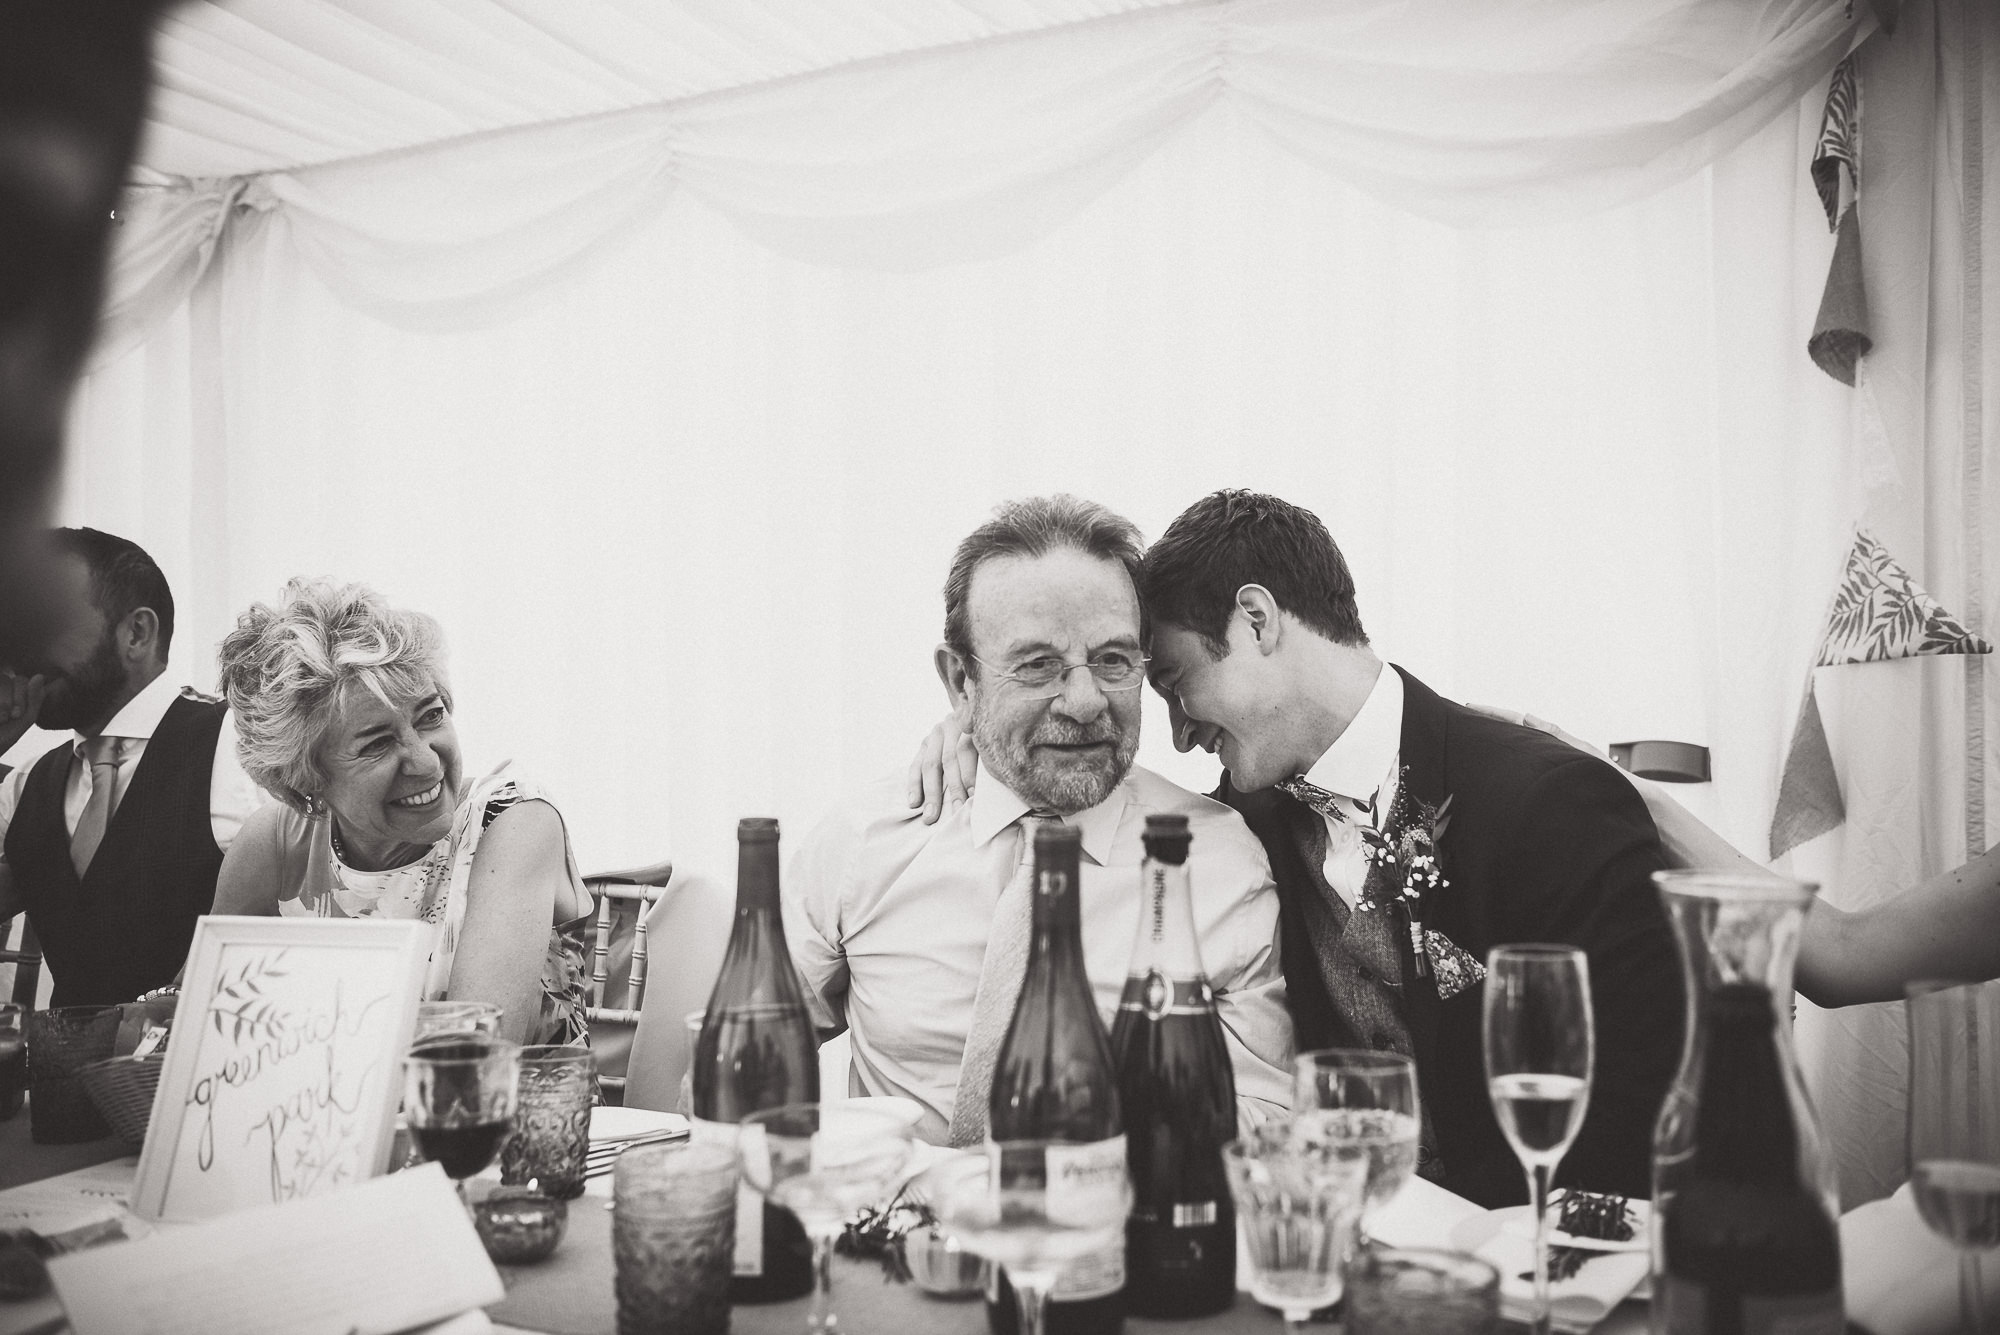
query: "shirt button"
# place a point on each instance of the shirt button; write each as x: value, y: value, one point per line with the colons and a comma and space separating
x: 1382, y: 1043
x: 1424, y: 1154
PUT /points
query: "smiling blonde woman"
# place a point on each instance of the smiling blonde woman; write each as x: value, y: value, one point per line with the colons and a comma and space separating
x: 343, y: 712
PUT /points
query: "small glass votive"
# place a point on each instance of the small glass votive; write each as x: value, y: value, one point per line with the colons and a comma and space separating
x: 1414, y: 1291
x: 519, y: 1225
x: 550, y: 1142
x: 673, y: 1238
x: 62, y: 1042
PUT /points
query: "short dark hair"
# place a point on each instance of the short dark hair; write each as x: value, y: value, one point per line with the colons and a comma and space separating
x: 1033, y: 527
x: 122, y: 577
x: 1231, y: 538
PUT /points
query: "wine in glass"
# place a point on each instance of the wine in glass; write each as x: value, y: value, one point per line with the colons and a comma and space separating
x: 1539, y: 1048
x: 1349, y: 1101
x: 1955, y: 1126
x: 823, y: 1161
x: 1297, y: 1206
x: 458, y: 1094
x: 1029, y: 1206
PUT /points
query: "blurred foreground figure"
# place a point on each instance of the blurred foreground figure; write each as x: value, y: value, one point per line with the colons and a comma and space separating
x: 73, y: 83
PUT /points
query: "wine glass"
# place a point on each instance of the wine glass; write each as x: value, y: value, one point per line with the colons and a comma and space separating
x: 458, y: 1094
x: 999, y: 1205
x: 1297, y: 1208
x: 1539, y: 1048
x: 823, y: 1161
x: 1955, y: 1125
x: 1352, y: 1100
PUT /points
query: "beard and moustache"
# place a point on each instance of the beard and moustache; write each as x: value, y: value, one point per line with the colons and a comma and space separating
x: 83, y: 695
x: 1063, y: 784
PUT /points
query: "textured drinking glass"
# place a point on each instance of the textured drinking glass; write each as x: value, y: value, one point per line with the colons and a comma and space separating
x: 673, y: 1237
x: 60, y: 1043
x: 1348, y: 1099
x: 550, y: 1142
x: 1955, y: 1126
x: 1297, y: 1209
x: 1539, y: 1049
x: 1420, y: 1292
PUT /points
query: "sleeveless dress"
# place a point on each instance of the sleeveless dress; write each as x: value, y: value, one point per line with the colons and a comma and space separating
x: 317, y: 884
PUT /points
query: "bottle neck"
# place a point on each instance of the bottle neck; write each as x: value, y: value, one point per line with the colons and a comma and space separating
x: 1744, y: 1128
x: 1166, y: 941
x: 1056, y: 914
x: 757, y: 877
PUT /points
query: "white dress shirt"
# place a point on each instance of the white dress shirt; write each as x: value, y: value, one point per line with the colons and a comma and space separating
x: 887, y: 919
x: 1361, y: 766
x: 231, y: 795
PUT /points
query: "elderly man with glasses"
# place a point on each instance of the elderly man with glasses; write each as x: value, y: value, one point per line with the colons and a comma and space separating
x: 890, y: 919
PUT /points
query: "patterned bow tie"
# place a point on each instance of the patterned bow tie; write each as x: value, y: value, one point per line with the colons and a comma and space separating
x: 1406, y: 852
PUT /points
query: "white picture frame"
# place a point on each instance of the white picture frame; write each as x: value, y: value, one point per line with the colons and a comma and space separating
x: 284, y: 1066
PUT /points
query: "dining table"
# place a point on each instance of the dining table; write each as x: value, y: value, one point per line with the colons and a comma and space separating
x: 571, y: 1293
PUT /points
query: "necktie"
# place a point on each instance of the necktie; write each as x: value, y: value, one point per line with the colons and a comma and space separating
x: 1000, y: 974
x: 102, y: 755
x: 1343, y: 809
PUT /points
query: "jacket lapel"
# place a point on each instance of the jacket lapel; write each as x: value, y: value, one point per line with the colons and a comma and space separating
x: 1423, y: 759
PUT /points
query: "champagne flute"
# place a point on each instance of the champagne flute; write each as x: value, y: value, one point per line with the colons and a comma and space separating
x: 1000, y: 1205
x: 823, y: 1161
x: 1955, y: 1125
x: 1348, y: 1101
x: 1539, y: 1048
x: 459, y: 1094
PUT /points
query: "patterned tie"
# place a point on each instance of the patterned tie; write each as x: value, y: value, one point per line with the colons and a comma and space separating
x: 102, y: 754
x: 1343, y: 809
x: 1000, y: 974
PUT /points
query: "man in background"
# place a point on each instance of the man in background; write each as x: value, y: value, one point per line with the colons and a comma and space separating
x: 913, y: 936
x: 110, y: 842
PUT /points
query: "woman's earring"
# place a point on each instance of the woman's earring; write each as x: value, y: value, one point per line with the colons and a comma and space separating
x: 314, y: 807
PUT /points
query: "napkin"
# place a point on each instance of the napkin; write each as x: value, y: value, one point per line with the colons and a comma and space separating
x: 1575, y: 1304
x: 1901, y: 1278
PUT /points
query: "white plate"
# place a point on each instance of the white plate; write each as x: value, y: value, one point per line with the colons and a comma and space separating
x: 1519, y: 1221
x: 609, y: 1124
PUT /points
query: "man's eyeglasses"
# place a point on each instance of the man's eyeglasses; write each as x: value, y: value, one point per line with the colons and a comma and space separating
x: 1043, y: 678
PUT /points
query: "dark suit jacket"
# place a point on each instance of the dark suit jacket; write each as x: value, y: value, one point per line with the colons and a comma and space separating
x: 1543, y: 843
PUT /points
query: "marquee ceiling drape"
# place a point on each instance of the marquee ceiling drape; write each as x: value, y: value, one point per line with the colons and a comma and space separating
x: 436, y: 163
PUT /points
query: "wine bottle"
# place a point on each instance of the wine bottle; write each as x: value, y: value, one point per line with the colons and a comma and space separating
x: 756, y: 1050
x: 1179, y: 1100
x: 1053, y: 1080
x: 1749, y: 1243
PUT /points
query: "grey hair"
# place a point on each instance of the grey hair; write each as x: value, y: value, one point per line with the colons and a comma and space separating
x: 286, y: 670
x: 1034, y: 527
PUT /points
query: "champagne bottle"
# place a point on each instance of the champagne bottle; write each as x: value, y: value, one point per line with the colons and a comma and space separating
x: 1053, y: 1080
x: 1749, y: 1245
x: 757, y: 1050
x: 1179, y: 1100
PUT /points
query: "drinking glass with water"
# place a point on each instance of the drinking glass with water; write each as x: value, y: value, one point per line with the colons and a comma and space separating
x: 1297, y: 1206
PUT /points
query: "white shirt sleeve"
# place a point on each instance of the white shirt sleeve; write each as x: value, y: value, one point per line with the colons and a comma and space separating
x: 231, y: 794
x: 1240, y: 951
x: 811, y: 895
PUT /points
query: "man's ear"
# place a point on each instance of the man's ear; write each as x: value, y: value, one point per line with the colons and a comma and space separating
x: 957, y: 684
x: 139, y: 636
x: 1259, y: 611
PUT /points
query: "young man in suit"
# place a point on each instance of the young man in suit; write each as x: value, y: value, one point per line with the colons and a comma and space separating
x: 1259, y: 652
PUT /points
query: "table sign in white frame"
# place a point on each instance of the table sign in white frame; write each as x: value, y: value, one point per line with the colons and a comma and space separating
x: 284, y: 1067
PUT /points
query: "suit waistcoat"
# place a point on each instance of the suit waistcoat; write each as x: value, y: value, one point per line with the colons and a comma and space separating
x: 124, y: 928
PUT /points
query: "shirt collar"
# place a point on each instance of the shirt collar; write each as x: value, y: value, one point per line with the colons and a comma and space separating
x: 1362, y: 758
x: 142, y: 713
x: 994, y: 806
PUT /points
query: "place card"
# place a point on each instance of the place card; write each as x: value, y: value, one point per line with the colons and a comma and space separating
x: 382, y: 1256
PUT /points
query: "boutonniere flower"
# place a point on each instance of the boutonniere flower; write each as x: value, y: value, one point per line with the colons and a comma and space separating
x: 1407, y: 850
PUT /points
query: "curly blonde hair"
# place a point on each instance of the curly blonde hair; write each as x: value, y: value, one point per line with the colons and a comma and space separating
x: 287, y: 669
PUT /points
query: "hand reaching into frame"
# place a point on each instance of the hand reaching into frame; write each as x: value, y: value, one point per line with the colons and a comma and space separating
x: 944, y: 769
x: 20, y: 703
